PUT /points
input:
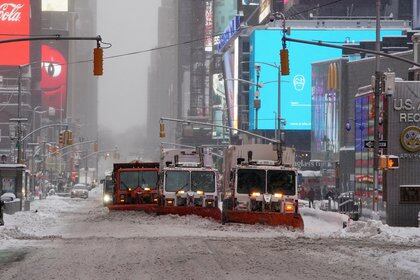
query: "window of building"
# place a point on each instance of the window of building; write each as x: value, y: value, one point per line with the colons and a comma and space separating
x: 410, y: 194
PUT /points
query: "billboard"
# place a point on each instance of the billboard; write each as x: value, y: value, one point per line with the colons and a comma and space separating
x: 55, y: 5
x: 296, y: 88
x: 14, y: 22
x: 54, y: 78
x: 231, y: 65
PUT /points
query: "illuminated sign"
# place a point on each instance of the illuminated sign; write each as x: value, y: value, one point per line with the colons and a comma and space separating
x: 55, y: 5
x: 54, y: 78
x: 230, y: 31
x: 251, y: 2
x: 296, y: 89
x: 208, y: 27
x: 265, y: 9
x: 14, y: 22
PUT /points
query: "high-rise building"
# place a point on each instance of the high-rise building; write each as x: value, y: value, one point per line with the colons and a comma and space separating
x: 162, y: 95
x: 179, y: 76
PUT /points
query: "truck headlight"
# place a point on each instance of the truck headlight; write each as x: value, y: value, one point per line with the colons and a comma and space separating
x: 107, y: 198
x: 289, y: 207
x: 180, y: 192
x: 255, y: 194
x: 200, y: 192
x: 147, y: 189
x: 278, y: 195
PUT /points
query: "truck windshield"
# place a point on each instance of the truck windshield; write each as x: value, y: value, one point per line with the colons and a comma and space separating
x: 177, y: 180
x: 251, y: 180
x: 134, y: 179
x: 203, y: 181
x: 281, y: 181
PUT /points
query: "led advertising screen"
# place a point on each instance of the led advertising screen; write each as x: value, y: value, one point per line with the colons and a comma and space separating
x: 230, y: 60
x: 297, y: 87
x: 14, y: 23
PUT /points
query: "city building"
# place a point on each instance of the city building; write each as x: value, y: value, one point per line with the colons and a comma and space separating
x: 162, y: 96
x: 403, y: 139
x: 338, y: 119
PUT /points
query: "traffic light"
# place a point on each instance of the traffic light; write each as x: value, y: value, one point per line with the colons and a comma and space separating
x: 61, y: 138
x: 98, y: 59
x: 69, y: 138
x: 387, y: 162
x: 162, y: 133
x: 284, y: 61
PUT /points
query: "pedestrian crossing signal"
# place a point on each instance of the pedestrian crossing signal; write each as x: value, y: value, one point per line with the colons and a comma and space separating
x: 389, y: 162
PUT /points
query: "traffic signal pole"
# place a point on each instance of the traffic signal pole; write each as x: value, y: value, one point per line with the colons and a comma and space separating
x: 97, y: 71
x: 377, y: 94
x: 217, y: 125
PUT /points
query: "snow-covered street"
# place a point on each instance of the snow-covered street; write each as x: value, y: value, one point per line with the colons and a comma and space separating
x: 64, y: 238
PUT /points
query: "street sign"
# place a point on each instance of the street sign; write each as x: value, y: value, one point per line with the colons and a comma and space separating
x: 370, y: 143
x: 18, y: 119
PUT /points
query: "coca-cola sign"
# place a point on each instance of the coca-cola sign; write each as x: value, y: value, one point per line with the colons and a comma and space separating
x: 14, y: 23
x: 10, y: 12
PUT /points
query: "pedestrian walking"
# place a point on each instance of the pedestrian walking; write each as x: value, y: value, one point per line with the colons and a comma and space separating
x: 311, y: 197
x: 1, y: 212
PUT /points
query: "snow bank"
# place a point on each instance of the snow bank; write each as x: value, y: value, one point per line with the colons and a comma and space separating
x: 407, y: 260
x: 377, y: 230
x: 320, y: 223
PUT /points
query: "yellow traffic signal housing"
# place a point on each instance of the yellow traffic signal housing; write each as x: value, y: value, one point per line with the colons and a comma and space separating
x: 61, y: 138
x: 98, y: 59
x: 69, y: 138
x: 284, y: 61
x: 162, y: 133
x: 95, y: 147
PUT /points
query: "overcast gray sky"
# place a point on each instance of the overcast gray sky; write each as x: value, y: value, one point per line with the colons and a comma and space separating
x: 130, y: 25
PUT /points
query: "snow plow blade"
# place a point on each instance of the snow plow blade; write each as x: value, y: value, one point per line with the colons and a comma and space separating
x: 268, y: 218
x: 211, y: 212
x: 204, y: 212
x: 148, y: 208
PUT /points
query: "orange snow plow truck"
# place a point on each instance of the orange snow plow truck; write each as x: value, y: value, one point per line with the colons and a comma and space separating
x: 136, y: 186
x: 260, y: 186
x: 190, y: 184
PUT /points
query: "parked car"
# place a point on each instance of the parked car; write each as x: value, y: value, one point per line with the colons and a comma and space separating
x: 79, y: 190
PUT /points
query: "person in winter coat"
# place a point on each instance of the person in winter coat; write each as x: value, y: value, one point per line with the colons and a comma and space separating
x: 311, y: 196
x: 1, y: 213
x: 329, y: 194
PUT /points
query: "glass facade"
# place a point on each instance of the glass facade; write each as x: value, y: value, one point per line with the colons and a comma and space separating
x: 364, y: 130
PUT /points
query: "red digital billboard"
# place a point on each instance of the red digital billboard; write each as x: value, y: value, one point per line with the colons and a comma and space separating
x: 14, y: 23
x: 54, y: 78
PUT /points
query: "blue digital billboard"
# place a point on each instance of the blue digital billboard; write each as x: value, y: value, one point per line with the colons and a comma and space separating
x: 295, y: 88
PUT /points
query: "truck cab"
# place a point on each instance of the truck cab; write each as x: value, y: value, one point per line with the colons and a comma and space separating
x: 189, y: 184
x: 260, y: 185
x: 136, y: 183
x: 108, y: 189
